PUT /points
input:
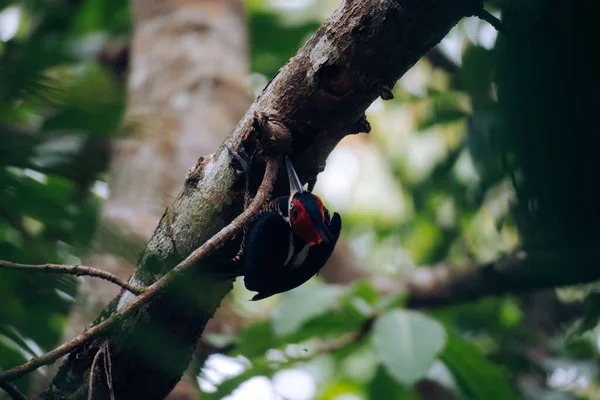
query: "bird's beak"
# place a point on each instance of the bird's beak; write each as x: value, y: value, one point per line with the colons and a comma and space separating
x: 295, y: 184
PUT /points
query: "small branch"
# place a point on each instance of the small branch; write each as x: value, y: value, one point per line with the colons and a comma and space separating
x: 491, y: 19
x: 439, y: 59
x: 92, y: 369
x: 12, y: 391
x: 77, y: 270
x: 108, y: 371
x: 349, y: 339
x: 103, y: 351
x: 262, y: 195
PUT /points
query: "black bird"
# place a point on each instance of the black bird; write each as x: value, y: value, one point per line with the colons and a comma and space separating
x: 289, y: 241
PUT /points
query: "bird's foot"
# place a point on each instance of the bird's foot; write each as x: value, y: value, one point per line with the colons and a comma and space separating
x: 242, y: 159
x: 242, y: 164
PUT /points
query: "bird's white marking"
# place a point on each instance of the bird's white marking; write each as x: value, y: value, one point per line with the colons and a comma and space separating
x: 284, y: 214
x: 290, y: 250
x: 301, y: 256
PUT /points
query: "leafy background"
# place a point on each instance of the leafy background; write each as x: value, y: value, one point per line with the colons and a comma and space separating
x: 433, y: 183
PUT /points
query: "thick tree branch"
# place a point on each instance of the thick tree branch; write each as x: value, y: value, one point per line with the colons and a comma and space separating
x: 524, y: 272
x: 157, y: 288
x: 446, y: 285
x: 77, y: 270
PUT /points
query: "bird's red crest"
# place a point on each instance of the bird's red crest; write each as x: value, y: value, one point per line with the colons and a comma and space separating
x: 302, y: 223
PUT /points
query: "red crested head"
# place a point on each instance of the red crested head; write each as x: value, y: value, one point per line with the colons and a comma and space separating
x: 307, y: 218
x: 306, y: 211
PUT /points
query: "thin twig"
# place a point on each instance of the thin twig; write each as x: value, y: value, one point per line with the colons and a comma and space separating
x: 12, y: 391
x: 107, y: 368
x: 92, y: 369
x: 77, y: 270
x: 108, y: 371
x: 152, y: 291
x: 346, y: 340
x: 490, y: 19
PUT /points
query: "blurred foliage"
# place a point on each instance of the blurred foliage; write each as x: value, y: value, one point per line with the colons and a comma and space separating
x: 273, y: 42
x: 58, y: 108
x: 486, y: 147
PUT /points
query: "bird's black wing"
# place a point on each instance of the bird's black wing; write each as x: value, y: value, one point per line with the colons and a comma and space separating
x: 267, y: 241
x: 320, y: 253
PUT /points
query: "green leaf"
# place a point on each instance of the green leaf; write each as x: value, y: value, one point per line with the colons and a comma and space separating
x: 300, y: 320
x: 45, y: 202
x: 256, y: 339
x: 330, y: 324
x: 105, y: 119
x: 477, y: 376
x: 358, y: 302
x: 357, y: 361
x: 303, y: 304
x: 11, y: 355
x: 365, y: 290
x: 391, y: 301
x: 444, y: 109
x: 337, y: 390
x: 383, y: 386
x: 407, y: 342
x: 476, y: 70
x: 274, y: 41
x: 591, y: 313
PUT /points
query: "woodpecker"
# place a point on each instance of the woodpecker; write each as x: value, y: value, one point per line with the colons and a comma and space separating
x: 289, y: 241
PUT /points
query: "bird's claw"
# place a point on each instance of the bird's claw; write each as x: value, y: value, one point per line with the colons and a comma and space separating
x: 242, y: 159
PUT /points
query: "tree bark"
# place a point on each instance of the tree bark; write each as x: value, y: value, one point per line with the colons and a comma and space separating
x: 320, y: 96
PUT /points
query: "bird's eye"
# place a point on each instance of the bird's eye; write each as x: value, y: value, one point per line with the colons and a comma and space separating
x: 291, y: 206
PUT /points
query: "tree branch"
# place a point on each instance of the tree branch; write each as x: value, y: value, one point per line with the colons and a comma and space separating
x: 446, y: 285
x: 521, y: 273
x: 77, y: 270
x: 439, y: 59
x: 488, y: 17
x: 157, y: 288
x: 12, y: 391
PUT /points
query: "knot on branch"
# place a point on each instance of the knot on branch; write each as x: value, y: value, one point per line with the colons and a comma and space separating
x: 274, y: 136
x: 362, y: 125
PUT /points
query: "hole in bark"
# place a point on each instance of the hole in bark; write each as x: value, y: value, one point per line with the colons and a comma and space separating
x: 336, y: 80
x: 196, y: 174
